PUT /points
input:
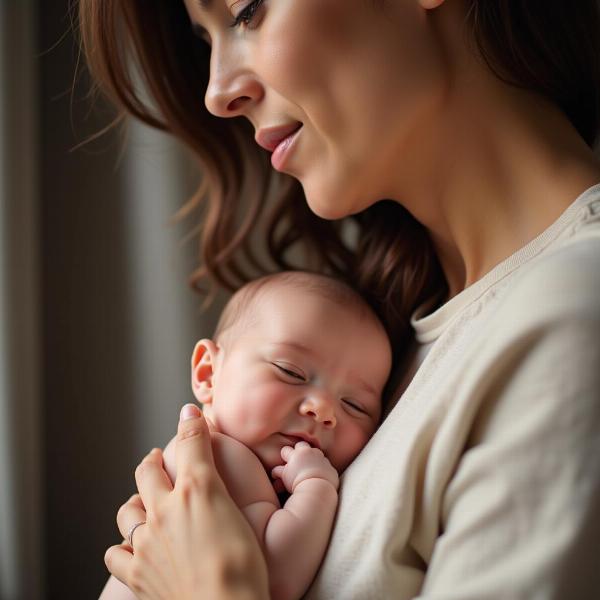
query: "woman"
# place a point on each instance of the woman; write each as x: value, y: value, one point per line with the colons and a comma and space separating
x: 475, y: 121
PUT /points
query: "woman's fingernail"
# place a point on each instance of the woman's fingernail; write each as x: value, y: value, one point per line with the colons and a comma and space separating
x: 189, y: 411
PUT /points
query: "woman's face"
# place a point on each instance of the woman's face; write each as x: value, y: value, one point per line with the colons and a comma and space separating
x: 360, y: 76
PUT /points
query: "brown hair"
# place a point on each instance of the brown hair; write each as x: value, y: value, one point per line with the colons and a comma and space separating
x: 549, y: 46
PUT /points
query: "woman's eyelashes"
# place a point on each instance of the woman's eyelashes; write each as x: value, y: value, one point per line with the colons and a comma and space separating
x: 247, y: 15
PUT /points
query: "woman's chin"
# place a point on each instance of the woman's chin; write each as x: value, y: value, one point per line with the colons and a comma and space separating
x: 332, y: 213
x: 329, y: 208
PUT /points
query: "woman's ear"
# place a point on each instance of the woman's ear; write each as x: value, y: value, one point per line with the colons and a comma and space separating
x: 203, y: 361
x: 429, y: 4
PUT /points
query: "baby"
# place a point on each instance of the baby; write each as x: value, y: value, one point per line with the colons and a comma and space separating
x: 291, y: 388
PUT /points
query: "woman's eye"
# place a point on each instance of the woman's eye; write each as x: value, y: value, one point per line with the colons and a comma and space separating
x: 246, y: 16
x: 290, y: 372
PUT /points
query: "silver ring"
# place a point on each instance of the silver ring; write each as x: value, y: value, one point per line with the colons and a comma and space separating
x: 132, y: 530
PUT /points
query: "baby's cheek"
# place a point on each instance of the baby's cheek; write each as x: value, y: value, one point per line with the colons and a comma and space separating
x: 348, y: 446
x: 259, y: 414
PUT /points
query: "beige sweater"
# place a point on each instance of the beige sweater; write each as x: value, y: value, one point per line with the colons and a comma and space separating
x: 484, y: 480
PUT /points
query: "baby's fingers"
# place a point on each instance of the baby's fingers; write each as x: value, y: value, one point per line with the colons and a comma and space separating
x: 277, y: 472
x: 286, y: 452
x: 302, y: 444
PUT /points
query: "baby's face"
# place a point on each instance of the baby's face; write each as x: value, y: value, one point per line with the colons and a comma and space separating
x: 302, y: 367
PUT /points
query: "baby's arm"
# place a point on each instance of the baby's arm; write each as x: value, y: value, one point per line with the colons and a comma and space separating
x: 296, y: 536
x: 293, y: 538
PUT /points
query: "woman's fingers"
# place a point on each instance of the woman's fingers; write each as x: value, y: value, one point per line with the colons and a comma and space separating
x: 193, y: 442
x: 151, y: 479
x: 117, y: 560
x: 170, y: 549
x: 136, y: 500
x: 129, y: 514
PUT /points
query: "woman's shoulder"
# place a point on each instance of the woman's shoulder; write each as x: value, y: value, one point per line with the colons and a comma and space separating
x: 564, y: 281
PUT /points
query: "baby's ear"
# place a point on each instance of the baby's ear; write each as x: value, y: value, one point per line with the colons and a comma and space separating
x: 203, y: 361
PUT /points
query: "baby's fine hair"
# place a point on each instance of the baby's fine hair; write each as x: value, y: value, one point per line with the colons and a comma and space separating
x: 240, y: 304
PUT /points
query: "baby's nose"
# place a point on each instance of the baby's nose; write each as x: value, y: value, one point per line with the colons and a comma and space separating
x: 321, y: 408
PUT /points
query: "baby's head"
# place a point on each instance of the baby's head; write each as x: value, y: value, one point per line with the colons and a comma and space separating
x: 295, y: 356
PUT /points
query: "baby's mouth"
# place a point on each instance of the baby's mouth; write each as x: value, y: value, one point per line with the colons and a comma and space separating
x: 293, y: 439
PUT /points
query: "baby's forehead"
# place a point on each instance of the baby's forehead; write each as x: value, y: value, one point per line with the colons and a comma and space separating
x: 284, y: 294
x: 303, y: 322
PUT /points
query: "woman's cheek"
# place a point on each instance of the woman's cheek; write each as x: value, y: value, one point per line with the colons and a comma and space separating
x: 284, y: 69
x: 296, y: 43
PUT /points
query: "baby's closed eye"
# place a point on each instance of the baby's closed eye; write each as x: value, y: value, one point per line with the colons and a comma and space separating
x: 291, y: 372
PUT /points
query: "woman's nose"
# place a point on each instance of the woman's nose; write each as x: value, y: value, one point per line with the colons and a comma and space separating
x: 320, y: 407
x: 232, y: 88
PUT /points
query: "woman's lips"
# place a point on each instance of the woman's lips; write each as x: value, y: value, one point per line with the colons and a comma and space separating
x: 269, y: 138
x: 283, y: 150
x: 278, y: 140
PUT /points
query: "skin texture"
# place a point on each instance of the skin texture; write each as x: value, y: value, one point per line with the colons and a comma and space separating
x: 294, y: 367
x: 297, y: 61
x: 273, y: 377
x: 175, y: 515
x: 395, y: 104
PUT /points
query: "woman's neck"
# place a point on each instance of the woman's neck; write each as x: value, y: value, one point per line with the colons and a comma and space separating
x: 492, y: 173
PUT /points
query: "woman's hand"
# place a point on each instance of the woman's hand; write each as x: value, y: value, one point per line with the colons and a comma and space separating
x: 194, y: 542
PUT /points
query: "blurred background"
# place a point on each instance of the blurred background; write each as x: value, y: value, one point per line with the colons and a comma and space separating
x: 97, y: 321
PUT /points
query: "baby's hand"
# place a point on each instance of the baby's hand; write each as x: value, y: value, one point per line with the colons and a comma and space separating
x: 304, y: 462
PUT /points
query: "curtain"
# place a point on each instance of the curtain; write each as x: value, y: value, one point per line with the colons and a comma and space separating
x: 21, y: 498
x: 97, y: 322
